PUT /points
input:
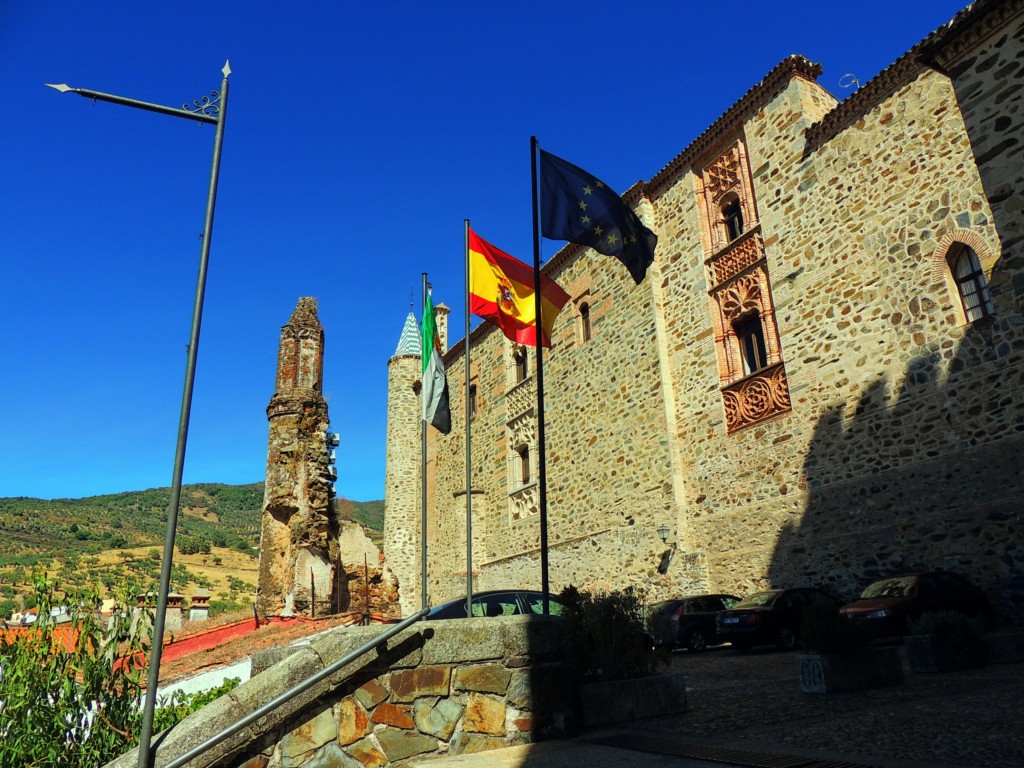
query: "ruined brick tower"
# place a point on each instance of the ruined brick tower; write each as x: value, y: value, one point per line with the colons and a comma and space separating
x: 299, y: 551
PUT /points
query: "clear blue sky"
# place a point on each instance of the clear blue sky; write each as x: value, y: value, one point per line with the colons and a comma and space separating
x: 358, y: 138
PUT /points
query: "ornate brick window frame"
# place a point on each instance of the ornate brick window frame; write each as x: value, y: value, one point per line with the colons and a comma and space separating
x: 751, y: 372
x: 583, y: 312
x: 724, y: 182
x: 944, y: 262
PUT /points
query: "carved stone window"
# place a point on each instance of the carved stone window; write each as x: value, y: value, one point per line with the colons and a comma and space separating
x: 472, y: 400
x: 521, y: 364
x: 523, y: 452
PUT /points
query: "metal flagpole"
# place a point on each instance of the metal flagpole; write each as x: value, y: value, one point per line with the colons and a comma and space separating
x: 205, y: 111
x: 423, y: 460
x: 469, y: 454
x: 541, y: 463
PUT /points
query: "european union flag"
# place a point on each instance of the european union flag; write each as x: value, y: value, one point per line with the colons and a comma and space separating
x: 578, y: 207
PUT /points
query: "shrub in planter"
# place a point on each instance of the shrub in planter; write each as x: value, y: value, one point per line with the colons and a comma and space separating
x: 608, y: 635
x: 839, y: 657
x: 941, y: 641
x: 824, y: 630
x: 616, y: 660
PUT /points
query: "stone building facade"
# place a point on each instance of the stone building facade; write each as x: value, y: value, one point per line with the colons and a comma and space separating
x: 820, y: 381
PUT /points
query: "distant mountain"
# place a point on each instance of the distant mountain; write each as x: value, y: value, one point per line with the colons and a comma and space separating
x: 37, y: 530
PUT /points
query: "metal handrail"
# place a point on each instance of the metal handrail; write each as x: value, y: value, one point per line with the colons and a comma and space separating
x: 295, y: 690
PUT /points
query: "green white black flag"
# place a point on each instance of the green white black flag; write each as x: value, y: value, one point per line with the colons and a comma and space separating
x: 435, y: 384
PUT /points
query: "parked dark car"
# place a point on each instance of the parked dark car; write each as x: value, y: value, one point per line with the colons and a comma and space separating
x: 885, y: 607
x: 772, y: 617
x: 497, y: 602
x: 688, y: 622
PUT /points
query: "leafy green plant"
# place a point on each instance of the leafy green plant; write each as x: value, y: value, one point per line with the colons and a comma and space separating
x: 946, y: 623
x: 608, y: 636
x: 70, y: 692
x: 180, y: 705
x: 824, y: 630
x: 955, y: 640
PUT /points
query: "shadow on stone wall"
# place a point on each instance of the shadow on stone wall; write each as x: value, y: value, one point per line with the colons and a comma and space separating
x: 930, y: 475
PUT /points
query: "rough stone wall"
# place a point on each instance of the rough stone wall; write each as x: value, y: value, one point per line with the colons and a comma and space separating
x: 441, y: 688
x: 299, y: 552
x: 370, y: 587
x: 402, y: 479
x: 904, y: 446
x: 609, y: 473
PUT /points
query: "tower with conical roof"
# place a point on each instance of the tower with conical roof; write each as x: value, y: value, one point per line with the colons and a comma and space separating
x: 402, y: 494
x: 299, y: 552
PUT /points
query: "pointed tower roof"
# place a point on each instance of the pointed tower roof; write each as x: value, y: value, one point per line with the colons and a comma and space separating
x: 409, y: 342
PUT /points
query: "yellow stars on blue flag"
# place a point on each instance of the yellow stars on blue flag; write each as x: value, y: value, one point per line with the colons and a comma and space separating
x: 578, y: 207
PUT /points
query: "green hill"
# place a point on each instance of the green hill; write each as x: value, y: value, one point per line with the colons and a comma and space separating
x: 36, y: 531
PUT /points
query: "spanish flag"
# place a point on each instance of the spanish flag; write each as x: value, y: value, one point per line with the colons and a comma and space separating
x: 501, y: 290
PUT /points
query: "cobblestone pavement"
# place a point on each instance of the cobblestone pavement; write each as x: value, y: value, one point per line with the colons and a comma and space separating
x: 968, y: 719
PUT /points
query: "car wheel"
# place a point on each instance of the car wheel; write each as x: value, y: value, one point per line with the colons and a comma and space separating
x: 695, y: 640
x: 786, y: 639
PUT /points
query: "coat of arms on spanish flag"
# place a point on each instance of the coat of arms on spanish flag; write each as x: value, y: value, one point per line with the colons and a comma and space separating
x: 501, y: 289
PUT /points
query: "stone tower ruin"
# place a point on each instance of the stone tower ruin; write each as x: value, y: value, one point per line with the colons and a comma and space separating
x: 299, y: 552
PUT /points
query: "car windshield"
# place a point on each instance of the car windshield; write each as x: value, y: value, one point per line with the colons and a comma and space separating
x: 536, y: 605
x: 758, y: 599
x: 899, y: 587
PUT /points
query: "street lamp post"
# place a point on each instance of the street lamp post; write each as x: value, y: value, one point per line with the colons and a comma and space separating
x: 213, y: 111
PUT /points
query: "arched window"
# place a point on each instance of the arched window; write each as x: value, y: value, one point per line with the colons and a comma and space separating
x: 750, y: 334
x: 524, y: 464
x: 585, y: 321
x: 971, y: 284
x: 732, y: 217
x: 522, y: 369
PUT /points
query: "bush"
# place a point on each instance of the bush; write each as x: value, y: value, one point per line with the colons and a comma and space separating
x: 193, y: 545
x: 956, y: 639
x: 956, y: 630
x: 70, y: 697
x: 607, y: 634
x: 824, y: 630
x: 180, y: 705
x: 70, y: 693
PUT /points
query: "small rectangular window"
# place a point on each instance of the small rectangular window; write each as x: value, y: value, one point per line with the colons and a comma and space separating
x: 750, y: 334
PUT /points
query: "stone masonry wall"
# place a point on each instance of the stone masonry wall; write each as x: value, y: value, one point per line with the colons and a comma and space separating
x: 446, y: 687
x: 402, y: 482
x: 904, y: 446
x: 902, y: 450
x: 609, y: 472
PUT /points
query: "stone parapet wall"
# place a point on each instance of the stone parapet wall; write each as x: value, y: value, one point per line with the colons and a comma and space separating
x: 445, y: 687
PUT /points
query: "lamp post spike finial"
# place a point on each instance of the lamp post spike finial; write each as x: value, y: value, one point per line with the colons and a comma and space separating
x: 227, y: 67
x: 62, y: 87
